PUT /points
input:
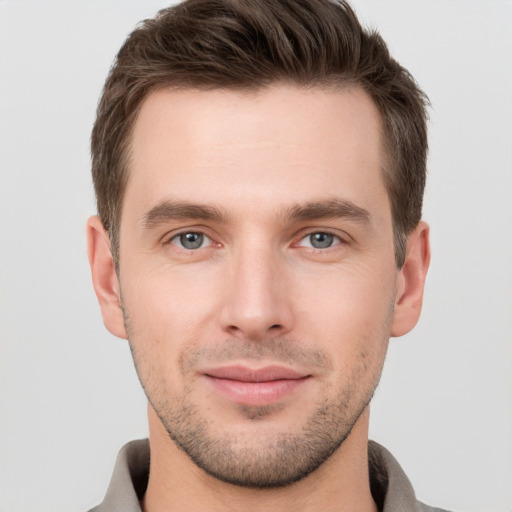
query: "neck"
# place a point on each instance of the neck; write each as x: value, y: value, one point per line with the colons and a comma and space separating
x: 339, y: 484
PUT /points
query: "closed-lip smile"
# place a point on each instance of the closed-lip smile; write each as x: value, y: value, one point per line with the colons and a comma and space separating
x: 255, y: 387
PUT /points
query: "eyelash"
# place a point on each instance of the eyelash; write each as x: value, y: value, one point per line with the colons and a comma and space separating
x: 336, y: 240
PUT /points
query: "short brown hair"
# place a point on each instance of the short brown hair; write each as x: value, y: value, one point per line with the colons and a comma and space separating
x: 251, y: 44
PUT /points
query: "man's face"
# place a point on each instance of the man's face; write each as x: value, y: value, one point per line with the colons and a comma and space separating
x: 257, y: 273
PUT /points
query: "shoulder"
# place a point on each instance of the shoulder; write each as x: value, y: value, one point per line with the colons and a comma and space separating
x: 391, y: 489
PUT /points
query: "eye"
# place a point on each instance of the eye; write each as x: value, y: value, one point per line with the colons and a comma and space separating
x: 190, y: 240
x: 320, y: 240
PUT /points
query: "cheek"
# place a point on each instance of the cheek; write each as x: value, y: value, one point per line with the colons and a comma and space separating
x: 349, y: 314
x: 163, y: 320
x: 168, y: 305
x: 344, y: 299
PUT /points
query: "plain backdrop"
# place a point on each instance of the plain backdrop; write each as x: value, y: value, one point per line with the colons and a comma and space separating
x: 69, y: 397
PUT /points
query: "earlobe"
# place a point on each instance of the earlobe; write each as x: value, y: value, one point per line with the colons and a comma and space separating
x: 104, y: 277
x: 411, y: 281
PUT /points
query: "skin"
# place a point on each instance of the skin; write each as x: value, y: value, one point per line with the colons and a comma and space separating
x: 261, y: 177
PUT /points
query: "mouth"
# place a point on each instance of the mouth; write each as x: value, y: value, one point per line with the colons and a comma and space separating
x: 255, y: 387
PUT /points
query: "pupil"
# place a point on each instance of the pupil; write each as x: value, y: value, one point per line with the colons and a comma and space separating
x: 191, y: 240
x: 321, y: 240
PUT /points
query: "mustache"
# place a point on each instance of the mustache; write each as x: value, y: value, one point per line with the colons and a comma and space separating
x: 277, y: 350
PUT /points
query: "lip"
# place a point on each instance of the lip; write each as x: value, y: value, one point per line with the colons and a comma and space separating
x: 255, y: 387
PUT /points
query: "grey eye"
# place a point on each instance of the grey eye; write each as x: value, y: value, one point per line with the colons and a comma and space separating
x: 321, y: 240
x: 191, y: 240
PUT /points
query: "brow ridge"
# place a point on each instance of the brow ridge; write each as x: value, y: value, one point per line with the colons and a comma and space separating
x: 331, y: 209
x: 169, y: 210
x: 178, y: 210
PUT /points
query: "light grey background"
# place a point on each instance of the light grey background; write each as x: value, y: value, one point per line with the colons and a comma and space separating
x: 69, y: 397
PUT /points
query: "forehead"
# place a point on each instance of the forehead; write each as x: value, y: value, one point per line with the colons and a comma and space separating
x: 283, y: 110
x: 279, y: 144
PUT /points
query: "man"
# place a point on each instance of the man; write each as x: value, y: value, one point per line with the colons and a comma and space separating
x: 259, y: 169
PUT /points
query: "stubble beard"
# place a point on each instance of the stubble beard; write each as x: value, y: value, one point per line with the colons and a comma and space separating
x: 259, y: 461
x: 259, y: 457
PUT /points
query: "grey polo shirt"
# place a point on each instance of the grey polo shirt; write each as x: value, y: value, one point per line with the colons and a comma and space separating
x: 391, y: 489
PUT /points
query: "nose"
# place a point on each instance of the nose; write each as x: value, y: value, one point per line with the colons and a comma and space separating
x: 257, y: 303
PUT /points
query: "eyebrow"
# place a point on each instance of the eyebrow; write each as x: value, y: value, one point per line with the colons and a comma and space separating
x: 331, y: 209
x: 177, y: 210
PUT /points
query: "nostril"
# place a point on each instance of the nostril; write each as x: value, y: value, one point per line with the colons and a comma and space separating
x: 275, y: 326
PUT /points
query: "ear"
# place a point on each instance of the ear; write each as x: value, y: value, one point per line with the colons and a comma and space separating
x: 104, y: 278
x: 411, y: 281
